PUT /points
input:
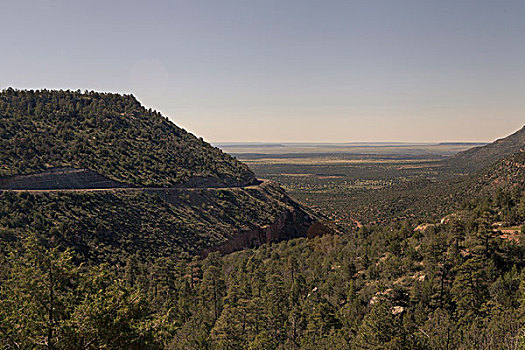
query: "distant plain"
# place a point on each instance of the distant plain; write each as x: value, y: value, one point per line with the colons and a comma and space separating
x: 341, y: 180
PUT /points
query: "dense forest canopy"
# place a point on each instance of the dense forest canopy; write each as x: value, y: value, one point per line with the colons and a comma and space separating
x: 455, y: 285
x: 111, y: 134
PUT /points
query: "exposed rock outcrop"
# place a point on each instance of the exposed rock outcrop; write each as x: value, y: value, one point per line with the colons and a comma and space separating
x: 60, y: 179
x: 289, y: 224
x: 286, y: 220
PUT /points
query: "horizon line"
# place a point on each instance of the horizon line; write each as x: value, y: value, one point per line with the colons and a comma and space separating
x: 344, y: 142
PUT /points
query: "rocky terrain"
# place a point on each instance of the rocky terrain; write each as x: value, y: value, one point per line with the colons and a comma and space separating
x: 60, y: 179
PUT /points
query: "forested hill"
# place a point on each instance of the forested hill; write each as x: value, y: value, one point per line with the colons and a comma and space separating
x: 111, y: 134
x: 479, y: 157
x: 177, y: 194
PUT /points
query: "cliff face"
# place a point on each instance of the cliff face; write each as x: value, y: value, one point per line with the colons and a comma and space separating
x: 263, y: 213
x: 292, y: 222
x: 289, y: 224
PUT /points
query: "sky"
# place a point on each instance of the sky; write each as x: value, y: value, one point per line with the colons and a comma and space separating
x: 285, y: 70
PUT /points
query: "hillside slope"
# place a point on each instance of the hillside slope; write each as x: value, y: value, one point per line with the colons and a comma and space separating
x: 110, y: 134
x: 507, y: 174
x: 111, y: 225
x: 479, y: 157
x: 428, y: 200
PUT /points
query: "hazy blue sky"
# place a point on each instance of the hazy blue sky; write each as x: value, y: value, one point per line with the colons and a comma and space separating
x: 285, y: 70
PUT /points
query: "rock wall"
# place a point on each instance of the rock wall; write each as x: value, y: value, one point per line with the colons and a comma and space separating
x: 73, y: 178
x: 59, y: 179
x: 291, y: 220
x: 288, y: 225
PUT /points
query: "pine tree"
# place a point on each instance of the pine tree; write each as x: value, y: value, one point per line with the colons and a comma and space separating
x: 37, y: 295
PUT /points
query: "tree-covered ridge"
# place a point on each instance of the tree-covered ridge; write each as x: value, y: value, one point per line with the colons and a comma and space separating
x: 111, y: 134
